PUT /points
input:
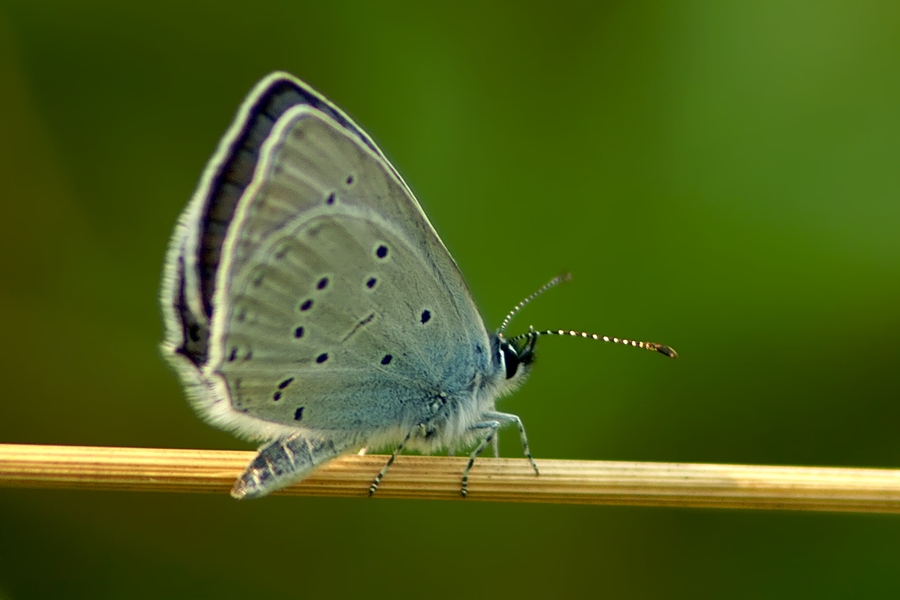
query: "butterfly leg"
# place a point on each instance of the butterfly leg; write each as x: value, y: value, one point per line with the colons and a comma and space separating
x: 390, y: 461
x: 493, y: 426
x: 508, y: 418
x: 285, y: 461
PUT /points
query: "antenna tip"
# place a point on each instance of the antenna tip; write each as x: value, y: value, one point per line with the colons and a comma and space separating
x: 666, y: 350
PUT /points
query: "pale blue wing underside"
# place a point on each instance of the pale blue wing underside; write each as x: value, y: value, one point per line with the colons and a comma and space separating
x: 319, y: 203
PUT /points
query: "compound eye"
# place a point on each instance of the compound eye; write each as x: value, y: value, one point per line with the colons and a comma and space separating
x: 511, y: 359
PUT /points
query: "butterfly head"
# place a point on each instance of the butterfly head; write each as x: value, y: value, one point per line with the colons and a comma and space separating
x: 517, y: 356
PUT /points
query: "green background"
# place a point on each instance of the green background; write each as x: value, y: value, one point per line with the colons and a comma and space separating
x: 718, y: 176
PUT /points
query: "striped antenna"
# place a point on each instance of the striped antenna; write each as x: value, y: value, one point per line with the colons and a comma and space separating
x: 550, y: 284
x: 661, y: 348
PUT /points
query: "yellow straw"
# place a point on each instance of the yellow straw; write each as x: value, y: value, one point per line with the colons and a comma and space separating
x: 437, y: 477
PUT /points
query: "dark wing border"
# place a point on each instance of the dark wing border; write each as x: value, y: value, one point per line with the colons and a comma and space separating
x: 226, y: 177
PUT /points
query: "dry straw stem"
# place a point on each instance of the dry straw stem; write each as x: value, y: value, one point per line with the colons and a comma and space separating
x: 498, y: 480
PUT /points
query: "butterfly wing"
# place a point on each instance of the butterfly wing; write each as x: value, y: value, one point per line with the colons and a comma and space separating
x: 308, y: 289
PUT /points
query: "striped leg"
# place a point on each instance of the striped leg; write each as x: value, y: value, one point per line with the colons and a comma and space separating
x: 493, y: 426
x: 390, y: 461
x: 508, y: 418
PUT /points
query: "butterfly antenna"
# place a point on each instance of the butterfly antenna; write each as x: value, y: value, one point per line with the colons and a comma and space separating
x: 661, y: 348
x: 550, y: 284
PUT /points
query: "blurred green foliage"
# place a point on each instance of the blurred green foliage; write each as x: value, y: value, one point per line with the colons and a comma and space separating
x: 718, y: 176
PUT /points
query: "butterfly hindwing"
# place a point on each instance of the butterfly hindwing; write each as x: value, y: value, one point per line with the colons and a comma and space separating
x: 341, y: 326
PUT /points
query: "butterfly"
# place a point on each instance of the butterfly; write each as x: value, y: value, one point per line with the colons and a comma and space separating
x: 309, y: 303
